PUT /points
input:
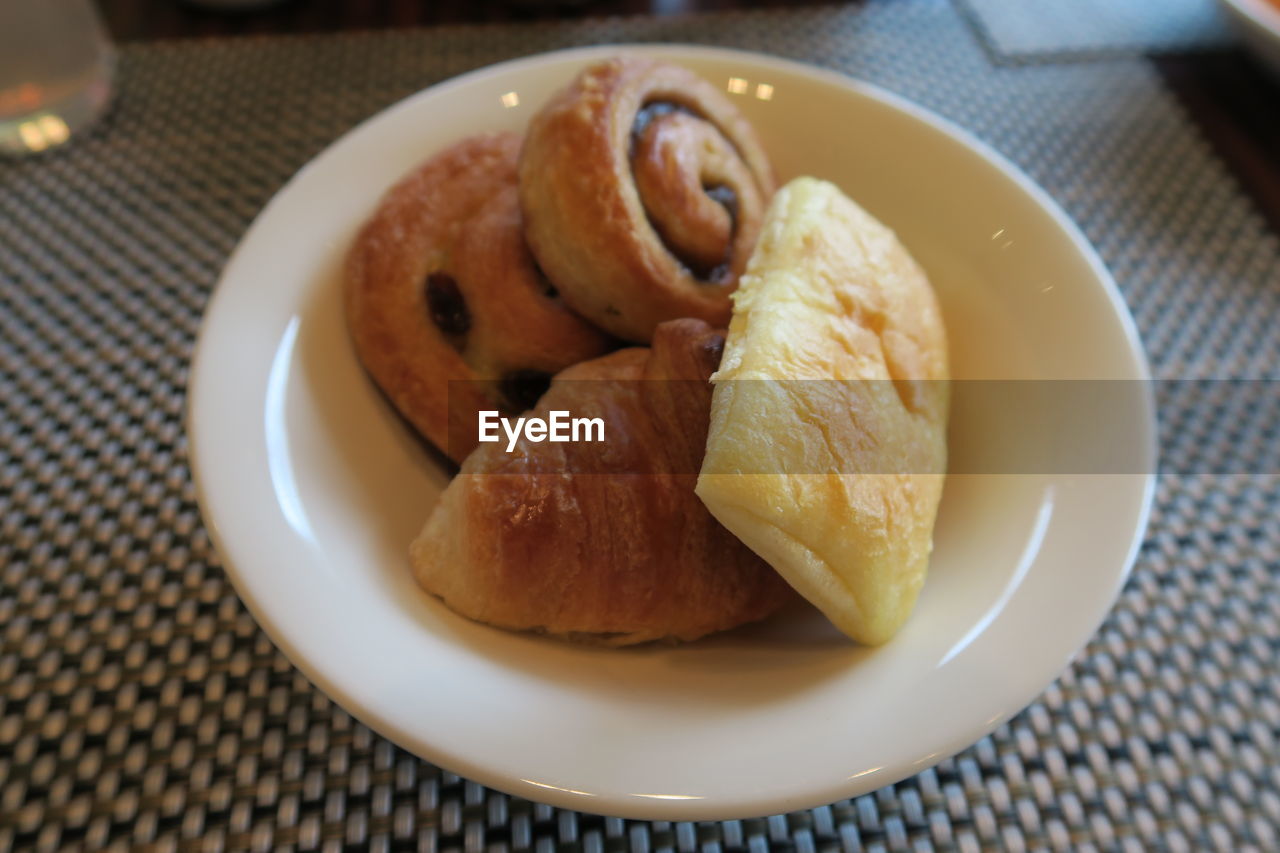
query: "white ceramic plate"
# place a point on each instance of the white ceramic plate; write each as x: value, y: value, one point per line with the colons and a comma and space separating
x: 1258, y: 23
x: 312, y: 488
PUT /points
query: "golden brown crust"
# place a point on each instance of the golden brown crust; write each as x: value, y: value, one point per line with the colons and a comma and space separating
x: 440, y: 286
x: 642, y: 222
x: 619, y: 551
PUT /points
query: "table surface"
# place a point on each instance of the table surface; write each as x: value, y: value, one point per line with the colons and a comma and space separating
x: 140, y: 705
x: 130, y: 20
x: 1224, y: 91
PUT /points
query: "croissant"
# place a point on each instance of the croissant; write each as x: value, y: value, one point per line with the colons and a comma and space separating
x: 446, y: 308
x: 601, y: 541
x: 643, y: 189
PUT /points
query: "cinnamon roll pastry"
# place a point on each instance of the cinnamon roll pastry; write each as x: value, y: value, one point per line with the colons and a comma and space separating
x: 440, y: 286
x: 643, y: 189
x: 602, y: 542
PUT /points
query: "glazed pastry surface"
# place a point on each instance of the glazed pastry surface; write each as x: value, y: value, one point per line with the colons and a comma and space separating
x: 827, y: 444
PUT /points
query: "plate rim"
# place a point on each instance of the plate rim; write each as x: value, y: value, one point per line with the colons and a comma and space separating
x: 626, y: 805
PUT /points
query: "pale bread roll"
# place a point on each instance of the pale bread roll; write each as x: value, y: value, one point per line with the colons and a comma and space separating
x: 835, y: 484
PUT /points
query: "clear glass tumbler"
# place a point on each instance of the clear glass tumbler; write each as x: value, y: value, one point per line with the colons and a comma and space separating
x: 56, y: 65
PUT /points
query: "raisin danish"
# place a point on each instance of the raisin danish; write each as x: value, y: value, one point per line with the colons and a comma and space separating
x: 440, y: 287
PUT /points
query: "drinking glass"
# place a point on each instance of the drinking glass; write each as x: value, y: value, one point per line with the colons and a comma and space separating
x: 56, y: 65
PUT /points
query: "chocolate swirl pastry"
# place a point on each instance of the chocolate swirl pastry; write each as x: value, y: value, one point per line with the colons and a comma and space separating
x: 440, y: 286
x: 643, y: 189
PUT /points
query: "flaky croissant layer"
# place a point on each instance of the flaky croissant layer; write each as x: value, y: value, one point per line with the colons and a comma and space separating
x: 620, y: 551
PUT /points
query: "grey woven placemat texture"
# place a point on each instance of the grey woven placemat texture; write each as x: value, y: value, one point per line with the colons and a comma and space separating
x: 1038, y: 30
x: 140, y: 705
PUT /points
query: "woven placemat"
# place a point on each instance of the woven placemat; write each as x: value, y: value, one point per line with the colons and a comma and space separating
x: 141, y: 706
x: 1054, y: 30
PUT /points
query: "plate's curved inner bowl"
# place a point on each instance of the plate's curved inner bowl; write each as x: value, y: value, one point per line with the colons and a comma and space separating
x: 312, y: 488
